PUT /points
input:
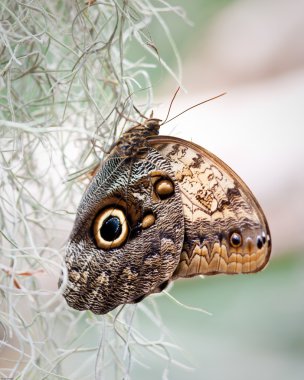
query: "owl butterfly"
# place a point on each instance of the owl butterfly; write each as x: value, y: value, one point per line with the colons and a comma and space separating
x: 160, y: 208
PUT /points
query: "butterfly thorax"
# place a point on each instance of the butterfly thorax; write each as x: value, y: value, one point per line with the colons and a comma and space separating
x: 134, y: 142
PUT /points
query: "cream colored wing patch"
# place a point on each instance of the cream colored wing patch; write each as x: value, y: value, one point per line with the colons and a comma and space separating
x: 225, y: 228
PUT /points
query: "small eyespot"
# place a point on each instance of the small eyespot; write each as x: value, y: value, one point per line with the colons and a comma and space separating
x: 110, y: 228
x: 259, y: 242
x: 235, y: 240
x: 164, y: 188
x: 263, y: 237
x: 148, y: 221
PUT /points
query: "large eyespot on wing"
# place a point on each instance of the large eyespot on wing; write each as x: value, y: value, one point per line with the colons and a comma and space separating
x: 128, y: 234
x: 110, y: 228
x: 225, y: 228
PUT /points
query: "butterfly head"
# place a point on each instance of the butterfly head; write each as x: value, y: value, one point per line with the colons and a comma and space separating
x: 152, y: 126
x: 134, y: 141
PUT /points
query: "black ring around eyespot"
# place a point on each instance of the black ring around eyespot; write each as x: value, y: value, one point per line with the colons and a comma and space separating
x: 235, y: 239
x: 110, y: 228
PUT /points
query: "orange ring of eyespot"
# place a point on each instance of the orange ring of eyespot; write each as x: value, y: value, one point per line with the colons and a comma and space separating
x: 102, y: 243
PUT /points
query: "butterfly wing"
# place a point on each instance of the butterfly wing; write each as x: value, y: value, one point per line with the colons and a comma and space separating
x: 225, y: 228
x: 126, y: 240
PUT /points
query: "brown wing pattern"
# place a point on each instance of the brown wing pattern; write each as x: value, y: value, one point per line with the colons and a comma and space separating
x: 101, y: 279
x: 225, y: 228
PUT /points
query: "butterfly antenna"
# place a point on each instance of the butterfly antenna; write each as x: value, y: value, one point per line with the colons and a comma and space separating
x: 174, y: 96
x: 139, y: 113
x: 196, y: 105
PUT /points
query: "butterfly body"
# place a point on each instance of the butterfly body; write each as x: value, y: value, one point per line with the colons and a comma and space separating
x: 157, y: 209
